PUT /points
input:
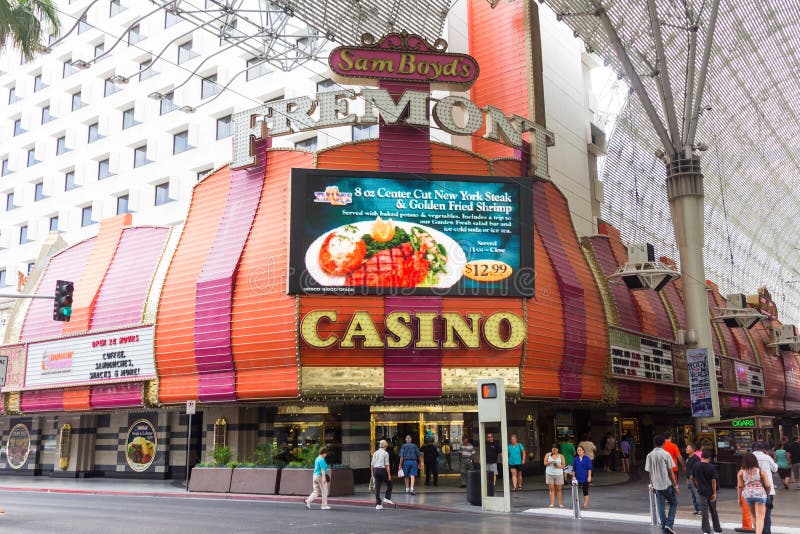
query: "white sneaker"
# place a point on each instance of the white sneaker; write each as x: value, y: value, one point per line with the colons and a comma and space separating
x: 378, y: 507
x: 325, y: 508
x: 408, y: 490
x: 388, y: 501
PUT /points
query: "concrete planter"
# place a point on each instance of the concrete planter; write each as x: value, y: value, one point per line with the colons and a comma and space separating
x: 299, y: 482
x: 261, y: 480
x: 211, y: 479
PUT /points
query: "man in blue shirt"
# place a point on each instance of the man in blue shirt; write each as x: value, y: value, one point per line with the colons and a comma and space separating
x: 321, y: 478
x: 409, y: 461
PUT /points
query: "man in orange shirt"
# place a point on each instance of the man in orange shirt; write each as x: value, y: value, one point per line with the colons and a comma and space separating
x: 673, y: 451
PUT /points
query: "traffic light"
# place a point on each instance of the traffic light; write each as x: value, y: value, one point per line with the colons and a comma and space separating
x: 62, y: 306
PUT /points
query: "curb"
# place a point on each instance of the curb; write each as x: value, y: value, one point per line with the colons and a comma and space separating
x: 231, y: 496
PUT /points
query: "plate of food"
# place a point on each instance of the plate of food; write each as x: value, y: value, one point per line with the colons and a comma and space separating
x: 385, y: 254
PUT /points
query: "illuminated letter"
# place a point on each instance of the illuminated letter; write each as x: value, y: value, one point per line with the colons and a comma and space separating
x: 333, y: 107
x: 425, y: 339
x: 542, y: 138
x: 292, y: 112
x: 310, y: 325
x: 501, y: 128
x: 406, y: 60
x: 248, y: 127
x: 416, y: 101
x: 347, y: 63
x: 470, y: 336
x: 397, y: 325
x: 361, y: 325
x: 443, y: 115
x: 382, y: 65
x: 491, y: 330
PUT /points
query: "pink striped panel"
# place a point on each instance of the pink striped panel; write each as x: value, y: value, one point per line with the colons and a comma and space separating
x: 675, y: 300
x: 116, y: 395
x: 629, y: 392
x: 626, y: 308
x: 66, y: 265
x: 122, y: 296
x: 663, y: 324
x: 727, y: 336
x: 42, y: 400
x: 214, y: 289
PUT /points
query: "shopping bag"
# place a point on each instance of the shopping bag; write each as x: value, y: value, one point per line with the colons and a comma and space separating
x: 400, y: 473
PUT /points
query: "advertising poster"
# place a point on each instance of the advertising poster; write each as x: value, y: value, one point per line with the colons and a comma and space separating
x: 18, y: 447
x: 357, y: 233
x: 699, y: 382
x: 140, y: 447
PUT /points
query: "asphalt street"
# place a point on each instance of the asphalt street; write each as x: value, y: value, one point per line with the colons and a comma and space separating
x: 32, y: 512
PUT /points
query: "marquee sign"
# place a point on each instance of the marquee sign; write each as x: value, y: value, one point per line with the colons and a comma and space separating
x: 403, y: 57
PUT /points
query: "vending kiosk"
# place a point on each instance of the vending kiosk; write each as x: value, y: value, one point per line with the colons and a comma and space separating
x: 736, y: 437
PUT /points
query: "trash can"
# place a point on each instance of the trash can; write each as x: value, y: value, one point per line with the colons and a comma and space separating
x: 474, y: 486
x: 727, y: 474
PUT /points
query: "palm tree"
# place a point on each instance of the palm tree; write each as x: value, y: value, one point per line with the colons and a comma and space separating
x: 23, y: 24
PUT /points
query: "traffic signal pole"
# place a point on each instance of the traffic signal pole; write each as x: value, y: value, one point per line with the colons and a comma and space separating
x: 24, y: 296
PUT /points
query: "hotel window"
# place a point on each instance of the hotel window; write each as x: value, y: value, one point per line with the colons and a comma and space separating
x: 18, y: 127
x: 46, y: 117
x: 99, y: 49
x: 171, y: 19
x: 127, y: 119
x: 23, y: 234
x: 68, y: 69
x: 77, y: 103
x: 94, y: 132
x: 86, y: 216
x: 10, y: 201
x: 162, y: 193
x: 3, y: 278
x: 38, y: 192
x: 363, y: 131
x: 32, y: 157
x: 145, y: 74
x: 256, y: 68
x: 31, y: 265
x: 115, y: 8
x: 54, y: 223
x: 83, y: 25
x: 122, y: 205
x: 224, y: 127
x: 5, y: 170
x: 140, y: 156
x: 110, y: 88
x: 12, y: 95
x: 167, y: 103
x: 134, y: 35
x: 38, y: 84
x: 202, y: 174
x: 103, y: 169
x: 69, y: 181
x: 308, y: 144
x: 180, y: 142
x: 209, y: 86
x: 61, y: 145
x: 185, y: 52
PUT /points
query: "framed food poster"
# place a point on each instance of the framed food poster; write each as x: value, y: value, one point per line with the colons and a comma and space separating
x: 368, y: 233
x: 18, y: 447
x: 141, y: 445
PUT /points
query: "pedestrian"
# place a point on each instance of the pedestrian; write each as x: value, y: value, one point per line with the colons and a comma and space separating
x: 409, y: 460
x: 516, y: 456
x: 664, y: 479
x: 632, y: 442
x: 753, y: 487
x: 568, y: 450
x: 554, y: 474
x: 793, y: 453
x: 588, y: 446
x: 321, y: 478
x: 768, y: 466
x: 430, y: 454
x: 610, y: 448
x: 467, y: 450
x: 783, y: 459
x: 691, y: 460
x: 583, y: 474
x: 493, y: 455
x: 625, y: 449
x: 382, y: 472
x: 705, y: 481
x: 675, y: 452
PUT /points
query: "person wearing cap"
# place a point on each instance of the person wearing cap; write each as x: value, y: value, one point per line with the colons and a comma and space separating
x: 409, y: 461
x: 381, y: 472
x: 767, y: 465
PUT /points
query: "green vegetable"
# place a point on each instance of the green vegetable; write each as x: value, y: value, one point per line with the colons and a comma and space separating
x: 373, y: 247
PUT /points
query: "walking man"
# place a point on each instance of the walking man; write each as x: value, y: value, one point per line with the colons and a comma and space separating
x: 381, y: 471
x: 493, y: 454
x: 659, y: 465
x: 467, y: 450
x: 409, y: 460
x: 705, y: 480
x: 692, y: 459
x: 768, y: 466
x: 430, y: 453
x: 793, y: 448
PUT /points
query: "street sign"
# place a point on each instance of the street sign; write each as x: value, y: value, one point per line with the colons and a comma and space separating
x: 191, y: 407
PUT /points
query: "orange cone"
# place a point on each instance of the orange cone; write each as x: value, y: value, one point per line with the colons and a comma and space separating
x: 747, y: 521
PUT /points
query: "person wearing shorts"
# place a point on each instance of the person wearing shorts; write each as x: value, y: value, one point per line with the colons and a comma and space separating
x: 582, y: 466
x: 493, y: 453
x: 753, y: 487
x: 516, y: 454
x: 409, y: 460
x: 554, y: 474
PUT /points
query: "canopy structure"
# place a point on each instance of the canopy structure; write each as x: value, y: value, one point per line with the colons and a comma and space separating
x: 749, y: 122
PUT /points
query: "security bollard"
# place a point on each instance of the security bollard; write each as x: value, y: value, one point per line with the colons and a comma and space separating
x: 576, y: 500
x: 653, y: 505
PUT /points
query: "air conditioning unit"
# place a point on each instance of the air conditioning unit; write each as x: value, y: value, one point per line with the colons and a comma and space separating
x: 736, y: 313
x: 786, y: 338
x: 642, y: 271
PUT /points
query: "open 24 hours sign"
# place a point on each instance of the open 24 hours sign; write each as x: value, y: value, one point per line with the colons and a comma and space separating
x: 118, y: 356
x: 367, y: 233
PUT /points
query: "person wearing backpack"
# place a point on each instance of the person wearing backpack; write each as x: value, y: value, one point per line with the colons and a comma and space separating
x: 753, y: 486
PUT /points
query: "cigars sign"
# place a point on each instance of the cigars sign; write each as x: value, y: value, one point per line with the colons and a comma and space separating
x: 420, y: 330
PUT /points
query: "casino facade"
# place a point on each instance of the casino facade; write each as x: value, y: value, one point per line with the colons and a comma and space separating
x: 359, y: 292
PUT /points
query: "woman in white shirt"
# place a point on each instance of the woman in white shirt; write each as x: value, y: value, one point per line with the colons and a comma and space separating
x: 381, y: 472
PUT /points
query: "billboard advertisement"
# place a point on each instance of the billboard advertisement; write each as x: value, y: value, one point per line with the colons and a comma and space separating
x: 368, y: 233
x: 699, y: 382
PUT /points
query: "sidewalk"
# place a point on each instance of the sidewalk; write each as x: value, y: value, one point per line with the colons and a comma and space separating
x: 614, y: 496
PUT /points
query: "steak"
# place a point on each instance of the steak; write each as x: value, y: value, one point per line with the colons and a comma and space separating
x: 396, y: 267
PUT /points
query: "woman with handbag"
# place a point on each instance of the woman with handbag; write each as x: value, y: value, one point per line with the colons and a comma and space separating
x: 554, y: 474
x: 753, y: 486
x: 320, y: 480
